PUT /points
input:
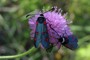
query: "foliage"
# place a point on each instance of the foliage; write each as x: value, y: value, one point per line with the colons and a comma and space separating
x: 15, y: 32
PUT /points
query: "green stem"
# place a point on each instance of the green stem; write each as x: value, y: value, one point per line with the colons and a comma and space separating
x: 33, y: 49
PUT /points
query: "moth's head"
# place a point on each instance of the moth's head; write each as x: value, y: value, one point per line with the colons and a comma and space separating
x: 41, y: 15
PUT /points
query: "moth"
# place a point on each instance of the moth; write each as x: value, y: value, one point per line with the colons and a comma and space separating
x: 41, y: 35
x: 69, y: 41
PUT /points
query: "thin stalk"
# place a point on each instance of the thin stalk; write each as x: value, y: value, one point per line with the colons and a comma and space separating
x: 32, y: 50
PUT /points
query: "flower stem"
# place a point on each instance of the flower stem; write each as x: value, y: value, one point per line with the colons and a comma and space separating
x: 33, y: 49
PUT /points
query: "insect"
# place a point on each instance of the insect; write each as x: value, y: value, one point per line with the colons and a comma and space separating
x: 41, y: 33
x: 68, y: 41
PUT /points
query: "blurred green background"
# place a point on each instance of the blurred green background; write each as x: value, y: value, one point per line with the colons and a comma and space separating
x: 15, y: 32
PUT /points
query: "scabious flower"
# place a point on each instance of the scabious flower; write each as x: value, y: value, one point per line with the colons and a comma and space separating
x: 55, y: 21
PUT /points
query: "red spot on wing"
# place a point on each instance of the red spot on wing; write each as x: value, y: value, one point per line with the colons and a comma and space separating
x: 36, y: 22
x: 45, y: 22
x: 66, y: 38
x: 43, y: 32
x: 36, y: 32
x: 34, y: 39
x: 68, y: 46
x: 47, y: 39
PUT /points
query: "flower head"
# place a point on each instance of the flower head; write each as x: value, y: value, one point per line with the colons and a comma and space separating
x: 56, y: 25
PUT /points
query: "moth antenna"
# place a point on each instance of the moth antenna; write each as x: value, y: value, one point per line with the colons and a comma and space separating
x: 41, y: 12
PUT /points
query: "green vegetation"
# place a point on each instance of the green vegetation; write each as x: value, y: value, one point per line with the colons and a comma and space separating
x: 15, y: 32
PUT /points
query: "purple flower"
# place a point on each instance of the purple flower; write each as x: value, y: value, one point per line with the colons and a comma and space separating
x: 54, y: 20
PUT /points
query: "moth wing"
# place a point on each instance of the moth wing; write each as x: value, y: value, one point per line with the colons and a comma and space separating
x: 37, y: 36
x: 45, y: 36
x: 72, y: 42
x: 45, y: 40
